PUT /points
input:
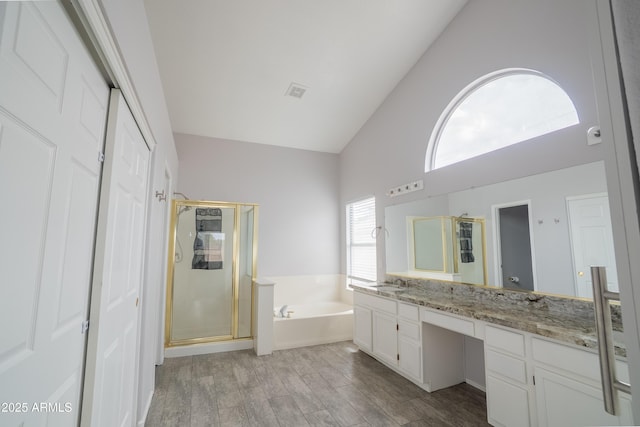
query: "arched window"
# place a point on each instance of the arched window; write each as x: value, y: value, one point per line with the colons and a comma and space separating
x: 498, y: 110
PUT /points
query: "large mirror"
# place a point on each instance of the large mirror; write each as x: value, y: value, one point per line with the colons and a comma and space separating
x: 543, y: 232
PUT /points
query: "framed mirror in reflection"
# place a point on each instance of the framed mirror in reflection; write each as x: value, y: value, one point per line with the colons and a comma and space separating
x: 447, y: 248
x: 542, y: 232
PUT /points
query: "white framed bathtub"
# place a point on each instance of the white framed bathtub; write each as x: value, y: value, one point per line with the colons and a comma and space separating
x: 321, y: 311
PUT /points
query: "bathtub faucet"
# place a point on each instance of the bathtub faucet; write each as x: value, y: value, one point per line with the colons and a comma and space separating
x: 283, y: 311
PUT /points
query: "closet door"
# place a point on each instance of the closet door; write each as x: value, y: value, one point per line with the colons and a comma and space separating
x: 112, y: 352
x: 53, y: 109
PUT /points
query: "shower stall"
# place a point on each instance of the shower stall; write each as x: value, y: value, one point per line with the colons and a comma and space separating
x: 212, y: 266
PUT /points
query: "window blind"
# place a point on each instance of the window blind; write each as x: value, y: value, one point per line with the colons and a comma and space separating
x: 361, y: 242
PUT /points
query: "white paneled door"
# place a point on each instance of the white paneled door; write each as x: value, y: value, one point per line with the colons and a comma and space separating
x: 53, y: 110
x: 112, y: 351
x: 591, y: 241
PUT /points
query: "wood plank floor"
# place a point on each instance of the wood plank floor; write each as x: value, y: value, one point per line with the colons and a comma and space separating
x: 326, y: 385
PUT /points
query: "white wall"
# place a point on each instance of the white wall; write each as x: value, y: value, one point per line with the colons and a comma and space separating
x: 298, y: 219
x: 547, y: 193
x: 486, y: 35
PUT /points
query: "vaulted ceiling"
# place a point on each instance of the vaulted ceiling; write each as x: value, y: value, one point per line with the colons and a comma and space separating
x: 228, y: 66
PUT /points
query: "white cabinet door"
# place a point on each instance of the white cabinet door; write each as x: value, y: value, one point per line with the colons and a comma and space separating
x: 564, y: 401
x: 385, y: 337
x: 362, y: 327
x: 53, y: 109
x: 410, y: 348
x: 507, y: 404
x: 410, y: 354
x: 110, y: 383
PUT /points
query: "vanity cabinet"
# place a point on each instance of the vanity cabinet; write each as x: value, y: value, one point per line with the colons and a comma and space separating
x: 390, y: 331
x: 508, y: 387
x: 362, y: 332
x: 385, y: 337
x: 535, y: 381
x: 568, y: 388
x: 409, y: 341
x: 530, y: 380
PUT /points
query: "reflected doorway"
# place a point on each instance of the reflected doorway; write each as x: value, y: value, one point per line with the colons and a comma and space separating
x: 591, y: 241
x: 514, y: 246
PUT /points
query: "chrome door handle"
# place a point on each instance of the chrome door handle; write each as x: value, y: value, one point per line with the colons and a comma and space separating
x: 604, y: 330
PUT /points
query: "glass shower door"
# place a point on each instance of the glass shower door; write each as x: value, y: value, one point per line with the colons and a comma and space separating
x: 203, y: 292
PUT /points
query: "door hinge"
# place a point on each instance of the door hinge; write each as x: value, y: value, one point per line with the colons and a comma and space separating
x: 397, y: 327
x: 101, y: 157
x: 534, y: 380
x: 398, y: 356
x: 85, y: 326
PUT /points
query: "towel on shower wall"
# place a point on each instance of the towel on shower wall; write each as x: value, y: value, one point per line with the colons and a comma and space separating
x: 465, y: 239
x: 208, y: 219
x: 208, y: 246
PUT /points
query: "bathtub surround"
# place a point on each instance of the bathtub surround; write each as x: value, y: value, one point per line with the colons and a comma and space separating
x: 262, y: 317
x: 307, y: 289
x: 319, y: 310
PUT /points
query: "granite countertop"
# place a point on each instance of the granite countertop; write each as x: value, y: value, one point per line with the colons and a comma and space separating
x: 563, y: 319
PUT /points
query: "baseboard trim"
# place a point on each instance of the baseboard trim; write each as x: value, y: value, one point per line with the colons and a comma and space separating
x: 476, y: 385
x: 146, y: 410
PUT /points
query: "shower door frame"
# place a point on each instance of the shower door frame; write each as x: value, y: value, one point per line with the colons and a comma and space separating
x: 235, y: 271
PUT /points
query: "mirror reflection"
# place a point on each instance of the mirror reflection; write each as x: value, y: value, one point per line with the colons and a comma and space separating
x: 542, y: 232
x: 432, y: 244
x: 448, y: 248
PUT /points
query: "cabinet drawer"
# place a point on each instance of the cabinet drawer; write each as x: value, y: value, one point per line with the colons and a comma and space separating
x: 360, y: 298
x: 408, y: 311
x: 575, y: 360
x: 506, y: 366
x: 409, y: 330
x: 511, y: 342
x: 377, y: 303
x: 455, y: 324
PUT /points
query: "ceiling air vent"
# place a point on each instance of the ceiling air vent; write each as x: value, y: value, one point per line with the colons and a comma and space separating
x: 296, y: 90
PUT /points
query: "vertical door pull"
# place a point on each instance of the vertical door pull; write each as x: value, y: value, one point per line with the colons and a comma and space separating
x: 604, y: 331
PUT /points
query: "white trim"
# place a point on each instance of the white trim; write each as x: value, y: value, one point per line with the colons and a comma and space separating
x: 147, y: 406
x: 359, y: 204
x: 475, y: 384
x: 214, y: 347
x: 496, y: 241
x: 588, y: 196
x: 162, y: 298
x: 470, y: 89
x: 621, y: 183
x: 93, y: 19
